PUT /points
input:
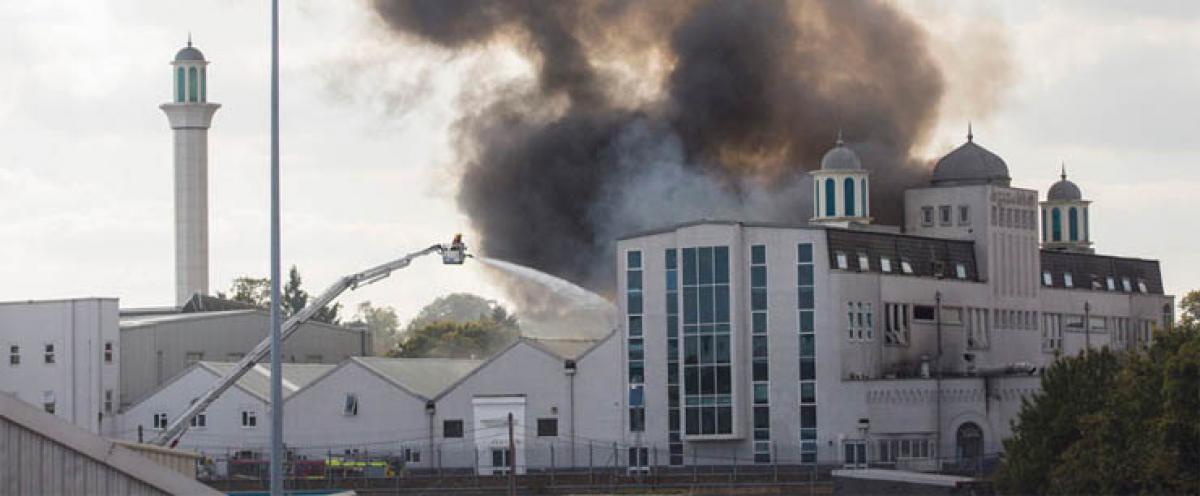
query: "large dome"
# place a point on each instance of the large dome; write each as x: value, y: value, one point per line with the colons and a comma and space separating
x: 1064, y: 190
x: 841, y: 158
x: 971, y: 164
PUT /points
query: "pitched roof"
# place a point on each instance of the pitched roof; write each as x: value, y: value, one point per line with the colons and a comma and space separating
x: 425, y: 377
x: 112, y: 455
x: 565, y: 348
x: 258, y: 380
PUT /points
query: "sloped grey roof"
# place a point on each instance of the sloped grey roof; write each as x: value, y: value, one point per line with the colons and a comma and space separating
x: 567, y: 349
x: 112, y: 461
x: 145, y: 320
x: 1064, y: 189
x: 841, y: 158
x: 426, y: 377
x: 258, y: 380
x: 971, y: 164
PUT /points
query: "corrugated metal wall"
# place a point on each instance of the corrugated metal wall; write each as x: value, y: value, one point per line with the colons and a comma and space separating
x: 33, y: 464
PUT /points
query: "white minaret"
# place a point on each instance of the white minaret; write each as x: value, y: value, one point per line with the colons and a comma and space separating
x: 190, y: 115
x: 841, y: 188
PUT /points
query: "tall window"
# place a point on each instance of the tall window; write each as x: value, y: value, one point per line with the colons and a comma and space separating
x: 707, y: 381
x: 830, y: 198
x: 674, y: 416
x: 49, y: 356
x: 108, y: 352
x: 761, y: 354
x: 1086, y: 235
x: 1045, y: 227
x: 14, y: 354
x: 249, y: 418
x: 1056, y: 225
x: 203, y: 85
x: 805, y: 305
x: 160, y: 420
x: 180, y: 85
x: 848, y: 184
x: 636, y: 358
x: 193, y: 85
x: 859, y: 321
x: 896, y: 324
x: 863, y: 193
x: 1073, y: 223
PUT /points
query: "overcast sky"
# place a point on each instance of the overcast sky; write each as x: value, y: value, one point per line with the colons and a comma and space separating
x: 1111, y: 88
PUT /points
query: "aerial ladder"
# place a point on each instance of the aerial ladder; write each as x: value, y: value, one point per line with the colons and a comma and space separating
x: 452, y: 254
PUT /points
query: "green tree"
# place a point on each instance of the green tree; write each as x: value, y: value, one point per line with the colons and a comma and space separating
x: 1189, y: 308
x: 459, y: 325
x: 250, y: 290
x: 381, y: 322
x: 1112, y: 423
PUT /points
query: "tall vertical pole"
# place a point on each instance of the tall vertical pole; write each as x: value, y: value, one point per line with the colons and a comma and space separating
x: 1087, y: 327
x: 938, y: 380
x: 276, y: 352
x: 512, y: 458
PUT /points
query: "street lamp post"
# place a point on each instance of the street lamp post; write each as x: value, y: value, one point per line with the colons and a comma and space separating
x: 276, y: 342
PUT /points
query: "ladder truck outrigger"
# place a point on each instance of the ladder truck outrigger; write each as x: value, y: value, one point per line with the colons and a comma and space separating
x: 452, y: 254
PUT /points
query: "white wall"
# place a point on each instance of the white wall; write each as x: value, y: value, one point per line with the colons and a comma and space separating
x: 77, y: 381
x: 223, y: 431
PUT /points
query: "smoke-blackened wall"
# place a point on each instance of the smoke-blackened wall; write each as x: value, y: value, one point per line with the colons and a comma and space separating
x: 749, y: 95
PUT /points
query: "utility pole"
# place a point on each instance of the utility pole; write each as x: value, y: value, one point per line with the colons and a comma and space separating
x: 1087, y: 327
x: 276, y: 342
x: 512, y: 458
x: 937, y: 296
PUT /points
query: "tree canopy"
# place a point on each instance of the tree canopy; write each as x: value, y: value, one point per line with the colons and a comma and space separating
x: 381, y: 322
x: 458, y: 325
x: 1112, y: 422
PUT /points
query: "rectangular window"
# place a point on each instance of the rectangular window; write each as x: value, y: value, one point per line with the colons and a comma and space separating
x: 249, y: 419
x: 48, y: 356
x: 200, y: 420
x: 926, y: 216
x: 160, y: 420
x: 452, y: 429
x: 108, y: 401
x: 547, y: 427
x: 924, y: 312
x: 1125, y: 285
x: 108, y: 352
x: 707, y: 369
x: 905, y: 267
x: 48, y: 402
x: 1111, y: 283
x: 350, y: 407
x: 1068, y: 281
x: 760, y: 369
x: 964, y: 215
x: 960, y: 270
x: 1047, y: 278
x: 896, y: 324
x: 885, y: 264
x: 500, y: 460
x: 944, y: 215
x: 634, y: 345
x: 14, y: 354
x: 671, y: 262
x: 864, y: 262
x: 1142, y: 286
x: 842, y: 261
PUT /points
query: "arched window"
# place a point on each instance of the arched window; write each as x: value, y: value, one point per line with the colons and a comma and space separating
x: 1073, y: 223
x: 863, y: 190
x: 969, y: 441
x: 180, y: 84
x: 830, y: 205
x: 1056, y: 225
x: 849, y: 185
x: 193, y: 85
x: 1044, y: 226
x: 203, y: 86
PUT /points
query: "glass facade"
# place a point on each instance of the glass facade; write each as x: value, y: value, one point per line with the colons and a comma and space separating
x: 634, y: 341
x: 674, y: 424
x: 760, y: 362
x: 806, y: 297
x: 707, y: 373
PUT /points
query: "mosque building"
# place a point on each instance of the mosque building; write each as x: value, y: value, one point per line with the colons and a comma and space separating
x: 846, y: 342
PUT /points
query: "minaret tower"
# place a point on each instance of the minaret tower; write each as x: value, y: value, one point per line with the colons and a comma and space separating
x: 190, y: 115
x: 841, y: 189
x: 1065, y: 223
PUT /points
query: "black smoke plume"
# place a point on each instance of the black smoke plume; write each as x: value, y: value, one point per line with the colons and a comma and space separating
x: 748, y: 96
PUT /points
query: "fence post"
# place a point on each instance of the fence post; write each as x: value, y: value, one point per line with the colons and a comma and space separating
x: 591, y: 480
x: 476, y: 451
x: 552, y: 463
x: 775, y: 461
x: 439, y: 459
x: 653, y: 462
x: 733, y: 472
x: 616, y: 462
x: 695, y: 467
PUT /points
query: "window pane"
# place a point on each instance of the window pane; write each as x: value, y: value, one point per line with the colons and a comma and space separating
x: 721, y: 265
x: 722, y: 347
x: 722, y: 302
x: 758, y: 299
x: 706, y: 304
x: 758, y: 254
x: 804, y: 252
x: 724, y: 383
x: 760, y: 394
x: 805, y: 297
x: 808, y: 369
x: 724, y: 420
x: 704, y: 265
x: 633, y: 260
x: 804, y: 275
x: 635, y: 325
x: 806, y: 321
x: 761, y: 371
x: 758, y: 323
x: 808, y: 392
x: 691, y: 310
x: 758, y: 277
x: 807, y: 345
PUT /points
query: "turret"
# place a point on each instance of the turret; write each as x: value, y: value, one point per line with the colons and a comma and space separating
x: 1065, y: 218
x: 841, y: 188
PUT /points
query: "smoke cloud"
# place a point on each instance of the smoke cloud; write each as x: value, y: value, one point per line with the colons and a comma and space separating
x: 744, y: 98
